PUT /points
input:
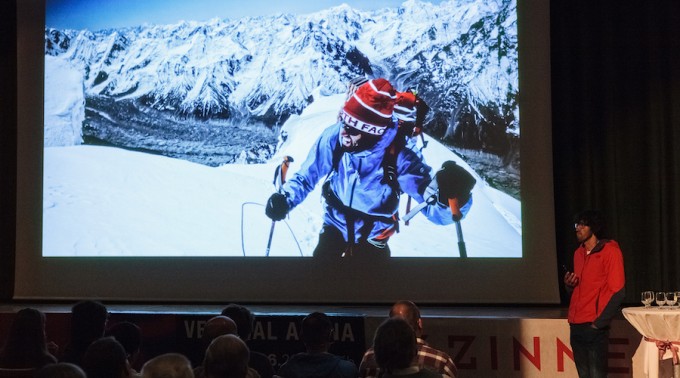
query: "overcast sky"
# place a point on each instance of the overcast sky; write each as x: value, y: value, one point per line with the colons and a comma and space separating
x: 101, y: 14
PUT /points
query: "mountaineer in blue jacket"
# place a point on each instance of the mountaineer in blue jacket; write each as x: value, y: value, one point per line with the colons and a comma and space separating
x: 367, y: 163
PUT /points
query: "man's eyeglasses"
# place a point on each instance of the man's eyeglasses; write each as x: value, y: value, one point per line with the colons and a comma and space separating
x: 351, y: 130
x: 579, y: 225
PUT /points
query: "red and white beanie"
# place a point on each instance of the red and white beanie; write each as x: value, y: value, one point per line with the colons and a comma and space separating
x: 405, y: 108
x: 370, y: 108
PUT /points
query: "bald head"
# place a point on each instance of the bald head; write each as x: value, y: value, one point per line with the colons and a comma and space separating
x: 408, y: 311
x: 218, y: 326
x: 227, y: 357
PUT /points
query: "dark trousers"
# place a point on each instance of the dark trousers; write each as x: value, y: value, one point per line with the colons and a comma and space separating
x: 590, y: 347
x: 332, y: 245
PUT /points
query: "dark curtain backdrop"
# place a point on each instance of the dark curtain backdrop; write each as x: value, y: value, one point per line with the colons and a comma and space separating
x: 8, y: 136
x: 616, y: 131
x: 616, y: 127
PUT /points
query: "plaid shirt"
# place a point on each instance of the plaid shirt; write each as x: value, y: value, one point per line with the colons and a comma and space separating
x: 428, y: 358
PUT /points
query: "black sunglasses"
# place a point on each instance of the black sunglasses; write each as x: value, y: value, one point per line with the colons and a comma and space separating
x: 351, y: 130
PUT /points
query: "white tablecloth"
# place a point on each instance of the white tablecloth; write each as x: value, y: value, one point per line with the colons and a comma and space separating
x: 655, y: 324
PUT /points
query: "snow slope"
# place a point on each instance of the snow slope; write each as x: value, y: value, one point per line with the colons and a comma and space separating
x: 103, y: 201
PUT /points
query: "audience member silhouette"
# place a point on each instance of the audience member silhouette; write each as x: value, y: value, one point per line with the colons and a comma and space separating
x: 245, y: 321
x: 428, y: 357
x: 396, y: 351
x: 316, y: 361
x: 227, y: 357
x: 215, y: 327
x: 61, y: 370
x: 105, y: 358
x: 26, y: 347
x: 218, y: 326
x: 88, y: 322
x: 169, y: 365
x: 129, y: 335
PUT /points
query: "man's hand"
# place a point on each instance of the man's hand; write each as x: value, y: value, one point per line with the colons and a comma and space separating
x: 570, y: 279
x: 277, y: 207
x: 455, y: 185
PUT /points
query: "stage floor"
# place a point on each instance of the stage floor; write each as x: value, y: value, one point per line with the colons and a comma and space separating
x: 497, y: 312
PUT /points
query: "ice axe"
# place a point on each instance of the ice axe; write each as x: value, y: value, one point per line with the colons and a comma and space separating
x: 279, y: 180
x: 457, y: 184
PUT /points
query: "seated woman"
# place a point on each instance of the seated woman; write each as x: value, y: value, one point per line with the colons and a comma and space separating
x: 26, y: 347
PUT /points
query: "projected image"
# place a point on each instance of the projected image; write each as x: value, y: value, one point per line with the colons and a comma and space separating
x: 166, y: 122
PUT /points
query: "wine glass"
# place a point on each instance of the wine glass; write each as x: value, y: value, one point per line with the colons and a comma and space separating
x: 671, y: 299
x: 660, y: 299
x: 647, y: 298
x: 677, y: 297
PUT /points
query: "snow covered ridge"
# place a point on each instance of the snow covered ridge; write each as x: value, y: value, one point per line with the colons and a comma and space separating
x: 460, y: 54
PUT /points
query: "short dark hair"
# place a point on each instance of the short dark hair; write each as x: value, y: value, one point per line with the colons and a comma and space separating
x: 243, y: 318
x: 128, y: 334
x: 394, y: 344
x: 88, y: 322
x: 316, y: 329
x: 104, y: 358
x: 593, y: 219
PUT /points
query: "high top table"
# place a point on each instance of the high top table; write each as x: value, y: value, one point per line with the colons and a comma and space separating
x: 660, y: 328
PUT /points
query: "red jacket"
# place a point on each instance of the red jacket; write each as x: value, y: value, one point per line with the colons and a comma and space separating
x: 600, y: 289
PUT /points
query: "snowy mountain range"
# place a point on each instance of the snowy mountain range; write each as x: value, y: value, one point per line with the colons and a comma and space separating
x: 162, y: 140
x: 461, y: 55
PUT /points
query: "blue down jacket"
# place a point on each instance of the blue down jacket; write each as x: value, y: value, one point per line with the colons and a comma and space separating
x: 357, y: 182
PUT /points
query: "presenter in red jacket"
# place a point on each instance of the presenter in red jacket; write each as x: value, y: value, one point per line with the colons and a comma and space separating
x: 597, y: 290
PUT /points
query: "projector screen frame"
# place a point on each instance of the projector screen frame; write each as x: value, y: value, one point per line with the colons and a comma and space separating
x: 291, y: 280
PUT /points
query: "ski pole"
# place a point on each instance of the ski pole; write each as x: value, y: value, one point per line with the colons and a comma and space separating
x: 279, y: 173
x: 422, y: 138
x: 456, y: 214
x: 269, y: 241
x: 408, y: 208
x: 408, y: 202
x: 419, y: 207
x: 453, y: 204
